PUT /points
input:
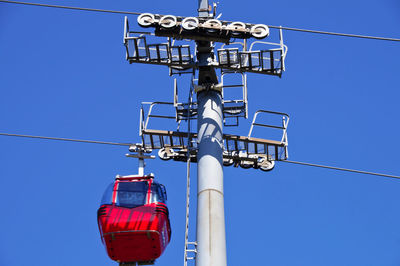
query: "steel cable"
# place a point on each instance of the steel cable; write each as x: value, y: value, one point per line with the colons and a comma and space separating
x: 340, y: 169
x: 71, y: 7
x: 66, y: 139
x: 271, y: 26
x: 128, y: 144
x: 337, y: 34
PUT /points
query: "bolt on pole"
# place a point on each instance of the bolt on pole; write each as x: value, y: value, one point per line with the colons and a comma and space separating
x: 211, y: 242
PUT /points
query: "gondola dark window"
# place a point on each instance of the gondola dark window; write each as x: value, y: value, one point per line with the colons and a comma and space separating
x: 107, y: 196
x: 158, y: 193
x: 131, y: 194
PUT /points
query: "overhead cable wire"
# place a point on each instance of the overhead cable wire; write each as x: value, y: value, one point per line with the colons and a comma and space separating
x: 66, y: 139
x: 271, y: 26
x: 129, y: 144
x: 72, y: 7
x: 340, y: 169
x: 337, y: 34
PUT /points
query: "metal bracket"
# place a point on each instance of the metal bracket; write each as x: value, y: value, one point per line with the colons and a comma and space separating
x: 204, y: 9
x: 140, y: 149
x: 140, y: 156
x: 215, y: 87
x: 243, y: 151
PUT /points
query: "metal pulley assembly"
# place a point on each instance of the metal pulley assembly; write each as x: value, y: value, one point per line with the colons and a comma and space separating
x: 246, y: 161
x: 237, y: 28
x: 262, y: 163
x: 190, y: 23
x: 246, y: 164
x: 166, y: 153
x: 168, y: 22
x: 227, y: 161
x: 259, y: 31
x: 146, y: 20
x: 213, y: 25
x: 265, y: 164
x: 196, y: 28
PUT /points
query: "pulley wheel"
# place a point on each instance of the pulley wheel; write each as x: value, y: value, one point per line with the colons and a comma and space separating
x: 190, y: 23
x: 227, y: 161
x: 168, y: 21
x: 213, y: 25
x: 266, y: 165
x: 259, y: 31
x: 164, y: 154
x: 145, y: 20
x: 236, y: 26
x: 246, y: 164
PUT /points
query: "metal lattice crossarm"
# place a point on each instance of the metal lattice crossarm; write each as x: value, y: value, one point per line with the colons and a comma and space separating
x: 238, y: 150
x: 261, y: 57
x: 201, y: 28
x: 245, y: 151
x: 158, y: 139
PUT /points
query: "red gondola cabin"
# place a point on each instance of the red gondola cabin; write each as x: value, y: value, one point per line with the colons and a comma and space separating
x: 133, y: 219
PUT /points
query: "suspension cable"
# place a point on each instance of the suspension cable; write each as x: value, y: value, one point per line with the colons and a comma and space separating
x: 341, y: 169
x: 337, y: 34
x: 128, y: 144
x: 72, y: 7
x: 66, y: 139
x: 271, y: 26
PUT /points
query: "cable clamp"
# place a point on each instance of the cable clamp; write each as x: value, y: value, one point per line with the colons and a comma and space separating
x: 214, y: 87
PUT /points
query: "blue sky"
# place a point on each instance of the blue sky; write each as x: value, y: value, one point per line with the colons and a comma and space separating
x: 63, y: 73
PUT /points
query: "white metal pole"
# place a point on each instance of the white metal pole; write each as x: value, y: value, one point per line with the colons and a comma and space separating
x: 211, y: 243
x: 141, y: 166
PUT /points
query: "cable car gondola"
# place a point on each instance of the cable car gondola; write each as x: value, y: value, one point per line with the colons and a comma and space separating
x: 133, y: 219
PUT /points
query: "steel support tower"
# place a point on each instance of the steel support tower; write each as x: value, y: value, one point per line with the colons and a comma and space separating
x: 211, y: 243
x: 233, y: 48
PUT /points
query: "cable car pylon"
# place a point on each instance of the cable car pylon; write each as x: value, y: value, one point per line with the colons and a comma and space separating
x: 234, y: 48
